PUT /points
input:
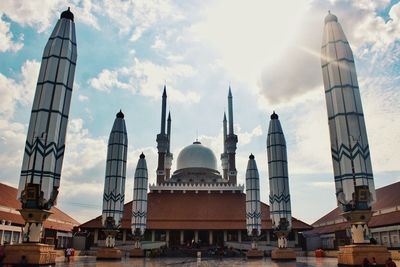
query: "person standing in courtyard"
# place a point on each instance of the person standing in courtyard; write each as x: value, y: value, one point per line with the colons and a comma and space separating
x: 390, y: 263
x: 365, y: 263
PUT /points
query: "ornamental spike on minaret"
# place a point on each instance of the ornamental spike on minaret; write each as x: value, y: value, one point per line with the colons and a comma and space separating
x: 355, y: 189
x: 279, y: 197
x: 114, y: 185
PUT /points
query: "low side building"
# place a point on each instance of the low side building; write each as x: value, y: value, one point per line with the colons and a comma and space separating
x: 333, y: 230
x: 58, y: 228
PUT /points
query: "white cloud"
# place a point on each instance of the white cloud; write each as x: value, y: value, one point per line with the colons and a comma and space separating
x: 323, y: 185
x: 147, y: 78
x: 138, y: 16
x: 19, y: 91
x: 6, y: 38
x: 83, y: 98
x: 40, y: 14
x: 84, y: 148
x: 108, y: 79
x: 380, y: 97
x: 148, y: 14
x: 12, y: 140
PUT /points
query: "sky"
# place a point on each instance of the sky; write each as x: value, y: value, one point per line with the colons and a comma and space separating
x: 267, y: 51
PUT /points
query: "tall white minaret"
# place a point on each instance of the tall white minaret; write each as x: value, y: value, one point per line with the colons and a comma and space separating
x: 45, y: 142
x: 231, y: 142
x: 162, y: 141
x: 279, y: 197
x: 114, y: 185
x: 139, y: 203
x: 253, y: 205
x: 355, y: 190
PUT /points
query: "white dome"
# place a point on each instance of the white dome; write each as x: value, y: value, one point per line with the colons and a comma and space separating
x: 196, y: 156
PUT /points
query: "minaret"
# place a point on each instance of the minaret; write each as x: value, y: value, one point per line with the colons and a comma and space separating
x: 45, y: 142
x: 139, y: 203
x: 162, y: 141
x: 114, y: 185
x: 224, y: 155
x: 169, y: 156
x: 355, y: 190
x: 279, y: 197
x: 231, y: 141
x: 253, y: 205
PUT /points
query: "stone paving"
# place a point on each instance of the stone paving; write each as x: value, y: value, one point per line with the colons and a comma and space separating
x: 189, y: 262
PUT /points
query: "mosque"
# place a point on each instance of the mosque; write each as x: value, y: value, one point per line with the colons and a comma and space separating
x: 196, y: 202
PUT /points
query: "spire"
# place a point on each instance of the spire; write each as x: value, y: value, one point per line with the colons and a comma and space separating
x: 169, y: 131
x: 330, y: 17
x: 225, y: 131
x: 120, y: 114
x: 163, y: 109
x: 274, y: 116
x: 67, y: 14
x: 230, y: 112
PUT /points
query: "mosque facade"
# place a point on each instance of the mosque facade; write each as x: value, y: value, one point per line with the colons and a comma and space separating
x: 196, y: 203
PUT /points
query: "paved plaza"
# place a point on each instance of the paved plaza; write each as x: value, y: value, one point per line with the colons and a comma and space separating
x: 189, y: 262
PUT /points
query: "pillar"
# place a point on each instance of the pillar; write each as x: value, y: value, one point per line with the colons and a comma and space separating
x: 96, y: 236
x: 196, y: 236
x: 268, y: 234
x: 153, y: 235
x: 210, y: 237
x: 167, y: 238
x: 124, y: 236
x: 296, y: 238
x: 182, y: 237
x: 225, y: 236
x: 239, y: 236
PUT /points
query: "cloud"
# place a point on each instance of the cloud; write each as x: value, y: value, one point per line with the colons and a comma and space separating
x: 83, y: 98
x: 147, y: 78
x: 152, y: 13
x: 40, y: 14
x: 136, y: 17
x: 108, y: 79
x: 12, y: 141
x: 18, y: 91
x: 6, y: 38
x: 295, y: 71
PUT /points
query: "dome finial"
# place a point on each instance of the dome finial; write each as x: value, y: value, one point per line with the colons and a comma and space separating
x: 142, y: 156
x: 330, y: 17
x: 120, y: 114
x: 67, y: 14
x: 274, y: 116
x: 251, y: 156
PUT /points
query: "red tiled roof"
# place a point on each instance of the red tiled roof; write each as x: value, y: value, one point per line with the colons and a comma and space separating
x: 387, y: 196
x: 195, y: 211
x: 9, y: 199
